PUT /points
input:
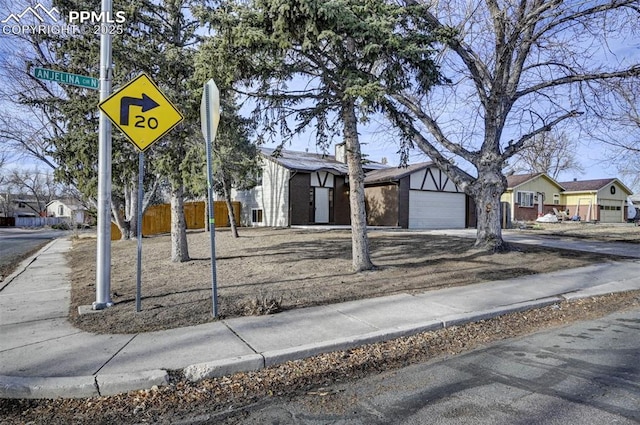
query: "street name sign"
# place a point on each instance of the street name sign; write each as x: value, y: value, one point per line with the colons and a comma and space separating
x: 141, y: 111
x: 67, y: 78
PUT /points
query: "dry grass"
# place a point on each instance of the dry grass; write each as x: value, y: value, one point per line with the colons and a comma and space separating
x: 267, y: 270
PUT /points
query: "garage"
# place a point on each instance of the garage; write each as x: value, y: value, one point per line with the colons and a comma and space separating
x: 436, y: 210
x: 610, y: 211
x: 419, y: 196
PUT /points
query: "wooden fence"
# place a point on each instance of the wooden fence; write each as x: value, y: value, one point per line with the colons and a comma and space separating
x: 157, y: 218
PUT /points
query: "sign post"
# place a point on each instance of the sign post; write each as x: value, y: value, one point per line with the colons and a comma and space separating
x: 103, y: 249
x: 144, y: 114
x: 210, y: 117
x: 139, y: 232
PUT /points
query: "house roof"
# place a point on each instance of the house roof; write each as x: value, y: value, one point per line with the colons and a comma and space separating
x: 305, y: 161
x: 587, y: 185
x: 516, y: 180
x: 393, y: 173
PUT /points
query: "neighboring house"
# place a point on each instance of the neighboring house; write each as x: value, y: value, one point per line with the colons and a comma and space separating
x: 603, y: 200
x: 19, y: 206
x: 531, y: 195
x: 70, y: 209
x: 419, y: 196
x: 299, y: 188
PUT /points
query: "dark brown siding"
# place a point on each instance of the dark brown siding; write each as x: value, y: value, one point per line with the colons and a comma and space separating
x: 472, y: 219
x: 299, y: 198
x: 403, y: 202
x: 342, y: 210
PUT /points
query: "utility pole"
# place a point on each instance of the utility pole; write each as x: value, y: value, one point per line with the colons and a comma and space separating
x: 103, y: 260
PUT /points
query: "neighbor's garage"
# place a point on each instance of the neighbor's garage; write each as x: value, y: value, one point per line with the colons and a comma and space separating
x: 611, y: 211
x: 436, y: 210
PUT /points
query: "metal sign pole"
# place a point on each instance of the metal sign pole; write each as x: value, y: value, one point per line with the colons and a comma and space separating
x: 210, y: 115
x: 103, y: 260
x: 212, y: 220
x: 139, y: 230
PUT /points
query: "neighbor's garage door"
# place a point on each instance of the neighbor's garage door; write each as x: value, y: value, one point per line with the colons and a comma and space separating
x: 436, y: 210
x: 611, y: 211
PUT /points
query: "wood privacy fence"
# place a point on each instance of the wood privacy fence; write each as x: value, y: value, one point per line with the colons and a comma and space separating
x: 157, y: 218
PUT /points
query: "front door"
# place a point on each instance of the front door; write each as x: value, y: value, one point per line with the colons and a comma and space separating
x: 321, y: 202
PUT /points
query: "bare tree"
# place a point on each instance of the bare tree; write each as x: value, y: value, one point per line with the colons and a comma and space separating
x: 621, y: 130
x: 517, y: 69
x: 547, y: 153
x: 35, y: 183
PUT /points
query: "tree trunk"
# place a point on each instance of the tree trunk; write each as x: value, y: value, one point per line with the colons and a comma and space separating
x: 361, y: 259
x: 207, y: 227
x: 120, y: 221
x: 486, y: 192
x: 179, y: 247
x: 132, y: 215
x: 232, y: 216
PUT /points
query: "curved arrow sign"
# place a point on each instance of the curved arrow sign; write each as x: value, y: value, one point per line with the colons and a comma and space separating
x: 145, y: 102
x: 141, y: 111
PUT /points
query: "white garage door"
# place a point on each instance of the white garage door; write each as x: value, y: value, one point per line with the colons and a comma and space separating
x: 436, y: 210
x: 611, y: 212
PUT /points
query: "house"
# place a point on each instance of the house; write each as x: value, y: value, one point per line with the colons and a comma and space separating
x: 529, y: 196
x: 71, y: 209
x: 19, y: 206
x: 419, y: 196
x: 603, y: 200
x: 532, y: 195
x: 299, y: 188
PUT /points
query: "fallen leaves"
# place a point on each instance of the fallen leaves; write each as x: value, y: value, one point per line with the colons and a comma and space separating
x: 313, y: 377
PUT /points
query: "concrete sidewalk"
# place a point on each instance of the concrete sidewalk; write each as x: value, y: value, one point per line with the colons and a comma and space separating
x: 43, y: 356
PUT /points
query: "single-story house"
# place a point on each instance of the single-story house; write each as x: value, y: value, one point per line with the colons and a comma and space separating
x: 418, y: 196
x: 70, y: 209
x: 19, y: 206
x: 299, y: 188
x: 531, y: 195
x: 603, y: 200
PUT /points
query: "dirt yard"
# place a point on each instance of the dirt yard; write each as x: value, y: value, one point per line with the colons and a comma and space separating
x: 268, y: 270
x: 627, y: 232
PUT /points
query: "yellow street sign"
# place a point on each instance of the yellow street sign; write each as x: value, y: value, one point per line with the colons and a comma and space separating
x: 141, y: 111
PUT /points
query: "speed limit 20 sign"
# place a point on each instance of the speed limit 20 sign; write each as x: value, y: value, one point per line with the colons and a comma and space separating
x: 141, y: 111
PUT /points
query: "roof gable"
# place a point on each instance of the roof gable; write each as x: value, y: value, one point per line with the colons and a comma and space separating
x: 394, y: 173
x: 516, y: 180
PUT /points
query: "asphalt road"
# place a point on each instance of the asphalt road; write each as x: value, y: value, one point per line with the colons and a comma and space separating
x: 16, y: 242
x: 586, y: 373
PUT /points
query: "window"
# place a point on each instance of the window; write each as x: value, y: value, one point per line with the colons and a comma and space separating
x: 525, y: 199
x: 256, y: 215
x: 60, y: 210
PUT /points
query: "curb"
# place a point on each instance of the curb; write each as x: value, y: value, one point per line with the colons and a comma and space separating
x: 79, y: 386
x: 111, y: 384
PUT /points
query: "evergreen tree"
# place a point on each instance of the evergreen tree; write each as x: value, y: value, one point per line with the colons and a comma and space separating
x: 347, y: 54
